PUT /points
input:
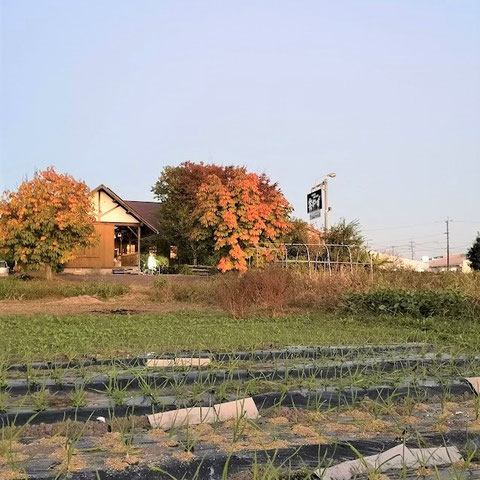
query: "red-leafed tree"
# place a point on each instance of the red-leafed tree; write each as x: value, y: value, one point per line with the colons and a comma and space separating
x: 238, y: 213
x: 177, y: 189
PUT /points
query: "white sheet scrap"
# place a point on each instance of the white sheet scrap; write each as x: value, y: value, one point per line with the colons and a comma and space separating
x: 395, y: 458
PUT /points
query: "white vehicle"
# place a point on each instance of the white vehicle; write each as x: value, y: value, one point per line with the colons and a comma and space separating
x: 4, y: 270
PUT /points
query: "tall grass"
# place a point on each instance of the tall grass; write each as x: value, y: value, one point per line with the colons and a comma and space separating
x: 15, y: 289
x: 275, y: 290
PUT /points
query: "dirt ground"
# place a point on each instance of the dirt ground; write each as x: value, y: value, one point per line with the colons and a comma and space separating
x: 125, y: 279
x: 138, y: 300
x: 132, y: 303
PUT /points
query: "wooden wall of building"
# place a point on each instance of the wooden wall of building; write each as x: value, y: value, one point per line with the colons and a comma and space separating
x: 99, y: 256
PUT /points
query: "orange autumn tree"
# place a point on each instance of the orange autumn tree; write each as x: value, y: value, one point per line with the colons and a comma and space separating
x: 46, y: 220
x: 240, y: 213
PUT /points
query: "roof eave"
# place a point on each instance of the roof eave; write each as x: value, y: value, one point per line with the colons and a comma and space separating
x: 129, y: 210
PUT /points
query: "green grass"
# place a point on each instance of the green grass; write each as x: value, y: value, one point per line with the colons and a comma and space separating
x: 54, y: 337
x: 15, y: 289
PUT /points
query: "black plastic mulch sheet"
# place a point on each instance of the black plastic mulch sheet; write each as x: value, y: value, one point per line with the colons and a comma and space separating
x: 210, y: 464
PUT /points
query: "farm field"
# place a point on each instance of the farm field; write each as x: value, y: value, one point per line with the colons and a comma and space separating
x: 116, y: 390
x: 387, y: 383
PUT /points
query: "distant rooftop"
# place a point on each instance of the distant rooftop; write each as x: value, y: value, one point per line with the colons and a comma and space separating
x: 455, y: 259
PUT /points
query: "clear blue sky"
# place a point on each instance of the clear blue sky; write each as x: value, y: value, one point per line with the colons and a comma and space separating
x: 384, y: 93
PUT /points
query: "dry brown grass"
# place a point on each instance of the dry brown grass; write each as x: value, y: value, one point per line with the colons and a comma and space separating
x: 274, y: 291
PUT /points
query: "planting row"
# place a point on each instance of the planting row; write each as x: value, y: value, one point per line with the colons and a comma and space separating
x: 115, y: 379
x: 286, y: 439
x: 316, y: 352
x: 320, y: 399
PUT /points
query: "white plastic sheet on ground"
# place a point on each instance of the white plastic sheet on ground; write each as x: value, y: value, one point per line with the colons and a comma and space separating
x: 395, y: 458
x: 178, y: 362
x: 474, y: 383
x: 244, y: 408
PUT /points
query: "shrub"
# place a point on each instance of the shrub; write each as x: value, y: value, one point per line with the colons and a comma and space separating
x: 274, y: 290
x: 267, y: 290
x: 162, y: 290
x: 325, y: 291
x: 195, y: 291
x: 162, y: 262
x: 417, y: 303
x: 185, y: 270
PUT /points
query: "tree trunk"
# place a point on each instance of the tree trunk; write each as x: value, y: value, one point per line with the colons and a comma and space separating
x: 48, y: 272
x: 194, y: 254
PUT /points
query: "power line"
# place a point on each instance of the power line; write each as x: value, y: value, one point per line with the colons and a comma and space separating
x: 400, y: 226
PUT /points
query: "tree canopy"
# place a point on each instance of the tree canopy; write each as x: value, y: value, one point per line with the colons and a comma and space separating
x: 177, y: 189
x: 240, y: 213
x: 344, y: 233
x: 219, y: 212
x: 46, y: 220
x: 473, y: 254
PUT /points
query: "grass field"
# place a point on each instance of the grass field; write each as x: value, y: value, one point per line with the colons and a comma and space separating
x: 44, y: 337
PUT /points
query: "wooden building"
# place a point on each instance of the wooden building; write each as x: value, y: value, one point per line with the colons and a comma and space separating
x: 120, y: 226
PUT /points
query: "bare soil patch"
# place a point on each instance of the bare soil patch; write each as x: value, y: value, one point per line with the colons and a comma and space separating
x: 137, y: 301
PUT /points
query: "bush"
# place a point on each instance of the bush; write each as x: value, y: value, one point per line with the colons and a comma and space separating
x: 163, y: 264
x: 197, y: 291
x: 417, y: 303
x: 185, y: 270
x: 267, y: 290
x: 325, y: 291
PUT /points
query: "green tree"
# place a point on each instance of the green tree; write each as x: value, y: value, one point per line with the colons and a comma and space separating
x: 473, y: 254
x: 298, y: 233
x: 344, y: 233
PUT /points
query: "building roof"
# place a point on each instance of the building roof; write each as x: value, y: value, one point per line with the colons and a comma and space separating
x: 150, y: 211
x: 456, y: 259
x: 142, y: 214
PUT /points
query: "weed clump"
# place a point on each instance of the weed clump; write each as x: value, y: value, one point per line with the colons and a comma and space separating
x: 270, y: 291
x: 199, y: 291
x: 415, y: 303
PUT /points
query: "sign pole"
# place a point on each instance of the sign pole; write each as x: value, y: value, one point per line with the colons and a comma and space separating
x: 325, y: 206
x: 318, y: 199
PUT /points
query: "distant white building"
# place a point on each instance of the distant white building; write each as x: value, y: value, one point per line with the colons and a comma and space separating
x: 401, y: 263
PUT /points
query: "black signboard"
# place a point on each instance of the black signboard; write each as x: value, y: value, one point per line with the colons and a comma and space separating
x: 314, y: 201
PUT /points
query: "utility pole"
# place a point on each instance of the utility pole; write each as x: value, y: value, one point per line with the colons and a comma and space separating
x: 447, y: 233
x: 412, y: 245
